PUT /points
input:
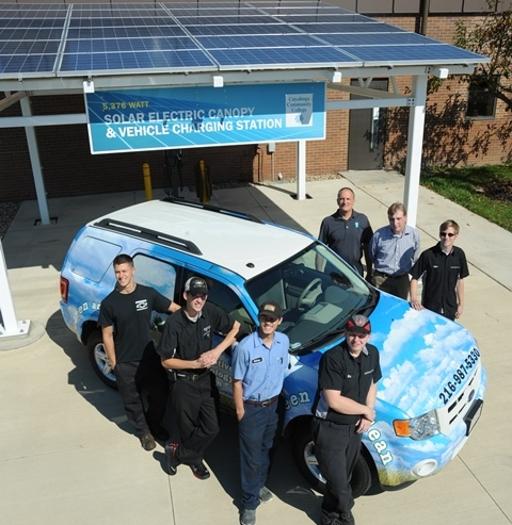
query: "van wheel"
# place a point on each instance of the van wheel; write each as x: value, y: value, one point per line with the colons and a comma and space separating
x: 99, y: 361
x: 303, y: 448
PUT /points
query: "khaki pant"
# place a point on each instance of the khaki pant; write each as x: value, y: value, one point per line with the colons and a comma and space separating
x: 398, y: 286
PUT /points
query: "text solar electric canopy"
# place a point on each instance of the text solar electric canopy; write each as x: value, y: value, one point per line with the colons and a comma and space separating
x: 48, y: 41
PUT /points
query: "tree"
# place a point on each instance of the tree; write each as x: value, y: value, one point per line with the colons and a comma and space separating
x: 491, y: 37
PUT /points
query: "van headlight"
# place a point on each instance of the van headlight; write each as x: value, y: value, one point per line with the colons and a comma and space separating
x: 421, y: 427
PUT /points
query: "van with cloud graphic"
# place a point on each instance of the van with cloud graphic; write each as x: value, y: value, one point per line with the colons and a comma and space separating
x: 433, y: 383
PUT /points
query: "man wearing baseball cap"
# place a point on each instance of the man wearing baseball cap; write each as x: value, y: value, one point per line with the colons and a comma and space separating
x: 186, y: 352
x: 259, y: 366
x: 344, y: 409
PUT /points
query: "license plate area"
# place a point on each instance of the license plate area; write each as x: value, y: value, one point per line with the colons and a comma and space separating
x: 471, y: 418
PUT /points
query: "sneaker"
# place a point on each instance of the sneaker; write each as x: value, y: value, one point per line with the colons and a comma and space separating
x: 347, y: 518
x: 171, y: 461
x: 248, y: 517
x: 200, y: 471
x: 148, y: 442
x: 265, y: 495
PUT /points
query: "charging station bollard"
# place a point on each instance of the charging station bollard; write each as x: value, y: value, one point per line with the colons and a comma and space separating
x: 203, y: 184
x: 148, y: 188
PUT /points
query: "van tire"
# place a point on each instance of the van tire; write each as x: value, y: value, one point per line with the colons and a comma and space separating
x: 303, y: 449
x: 98, y: 358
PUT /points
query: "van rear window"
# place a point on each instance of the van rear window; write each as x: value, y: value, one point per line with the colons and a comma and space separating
x: 92, y: 257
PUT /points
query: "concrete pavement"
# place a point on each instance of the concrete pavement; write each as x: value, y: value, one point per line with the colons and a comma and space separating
x: 65, y: 454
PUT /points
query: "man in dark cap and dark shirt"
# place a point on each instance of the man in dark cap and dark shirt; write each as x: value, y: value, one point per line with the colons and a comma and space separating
x: 344, y: 410
x: 186, y: 352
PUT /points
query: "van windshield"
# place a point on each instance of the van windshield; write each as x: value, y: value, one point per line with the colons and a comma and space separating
x: 317, y: 291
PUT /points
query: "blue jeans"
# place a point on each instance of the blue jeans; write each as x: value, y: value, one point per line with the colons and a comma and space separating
x: 257, y: 430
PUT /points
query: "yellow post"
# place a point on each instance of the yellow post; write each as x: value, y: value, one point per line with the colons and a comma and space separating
x: 148, y: 188
x: 203, y: 185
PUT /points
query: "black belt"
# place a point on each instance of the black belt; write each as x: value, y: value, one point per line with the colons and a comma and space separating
x: 388, y: 275
x: 186, y: 376
x: 265, y: 403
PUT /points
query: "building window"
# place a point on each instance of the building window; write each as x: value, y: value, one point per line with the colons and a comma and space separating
x: 481, y: 100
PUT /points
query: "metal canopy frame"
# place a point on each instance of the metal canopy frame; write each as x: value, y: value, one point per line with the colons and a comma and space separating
x: 21, y: 88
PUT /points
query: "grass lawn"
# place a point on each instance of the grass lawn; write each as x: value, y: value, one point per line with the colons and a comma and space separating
x: 485, y: 190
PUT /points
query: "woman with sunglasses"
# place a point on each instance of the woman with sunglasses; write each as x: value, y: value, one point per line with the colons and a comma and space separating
x: 444, y: 268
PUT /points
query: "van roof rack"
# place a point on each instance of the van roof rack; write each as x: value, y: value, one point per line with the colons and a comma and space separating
x: 216, y: 209
x: 150, y: 235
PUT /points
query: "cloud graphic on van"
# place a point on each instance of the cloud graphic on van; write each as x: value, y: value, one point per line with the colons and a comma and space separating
x: 432, y: 348
x: 403, y: 333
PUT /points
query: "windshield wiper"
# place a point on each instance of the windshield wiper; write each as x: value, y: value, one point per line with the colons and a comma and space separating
x: 371, y: 303
x: 330, y: 334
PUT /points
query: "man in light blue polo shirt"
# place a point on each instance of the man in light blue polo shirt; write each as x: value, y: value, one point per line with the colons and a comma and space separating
x: 260, y: 362
x: 394, y: 250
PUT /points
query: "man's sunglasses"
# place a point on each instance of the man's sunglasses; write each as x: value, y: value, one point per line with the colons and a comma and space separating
x: 447, y: 234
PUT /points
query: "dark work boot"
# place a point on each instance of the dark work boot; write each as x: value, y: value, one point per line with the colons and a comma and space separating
x: 346, y: 518
x: 147, y: 441
x: 200, y: 471
x: 248, y: 517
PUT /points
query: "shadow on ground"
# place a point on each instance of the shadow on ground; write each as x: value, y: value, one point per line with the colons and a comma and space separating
x: 27, y: 243
x: 223, y: 455
x: 82, y: 377
x: 285, y: 481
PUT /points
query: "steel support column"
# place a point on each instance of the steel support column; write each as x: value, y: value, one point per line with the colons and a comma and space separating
x: 37, y: 172
x: 10, y: 326
x: 414, y: 148
x: 301, y: 170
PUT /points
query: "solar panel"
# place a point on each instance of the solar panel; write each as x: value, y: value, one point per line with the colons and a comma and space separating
x: 432, y: 54
x: 29, y: 37
x: 35, y: 10
x: 373, y: 27
x: 100, y: 13
x: 28, y: 47
x: 261, y: 41
x: 32, y: 63
x: 246, y: 29
x: 30, y: 34
x: 47, y: 40
x: 109, y: 45
x: 85, y: 33
x: 132, y: 61
x: 374, y: 39
x: 220, y: 11
x: 223, y: 20
x: 320, y: 18
x: 298, y: 55
x: 120, y: 22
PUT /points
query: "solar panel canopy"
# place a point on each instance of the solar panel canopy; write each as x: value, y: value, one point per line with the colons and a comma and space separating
x: 71, y: 40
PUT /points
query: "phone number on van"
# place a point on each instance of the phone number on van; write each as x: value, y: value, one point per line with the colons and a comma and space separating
x: 460, y: 374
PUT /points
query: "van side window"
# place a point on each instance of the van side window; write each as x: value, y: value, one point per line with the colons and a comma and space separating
x: 158, y: 274
x: 223, y: 297
x: 91, y: 257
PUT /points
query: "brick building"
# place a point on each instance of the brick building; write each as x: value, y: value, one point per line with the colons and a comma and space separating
x: 451, y: 136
